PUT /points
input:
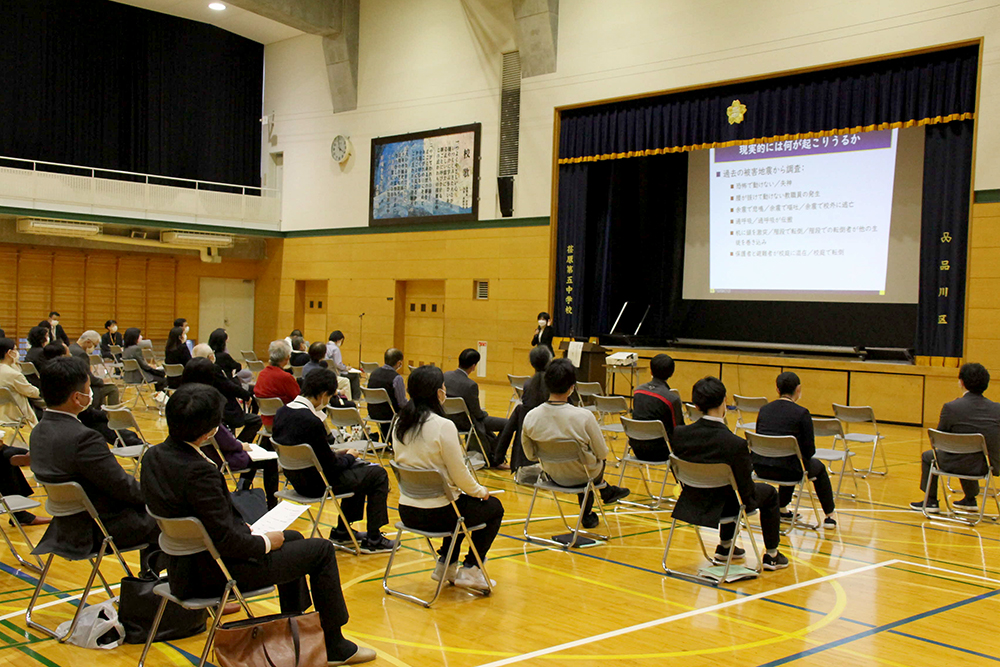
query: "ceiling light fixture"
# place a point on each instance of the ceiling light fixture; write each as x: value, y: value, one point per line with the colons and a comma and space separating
x: 217, y: 6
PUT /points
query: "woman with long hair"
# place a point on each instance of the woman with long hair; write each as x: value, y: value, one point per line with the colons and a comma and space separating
x: 176, y: 352
x: 132, y: 338
x: 424, y: 438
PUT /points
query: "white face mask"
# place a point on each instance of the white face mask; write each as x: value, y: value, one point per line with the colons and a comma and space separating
x: 542, y: 323
x: 186, y: 328
x: 90, y: 398
x: 55, y: 323
x: 114, y: 328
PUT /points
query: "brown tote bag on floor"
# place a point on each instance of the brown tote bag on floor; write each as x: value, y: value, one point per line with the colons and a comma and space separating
x: 279, y: 640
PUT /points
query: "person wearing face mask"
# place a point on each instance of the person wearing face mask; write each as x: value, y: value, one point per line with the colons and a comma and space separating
x: 133, y: 335
x: 387, y: 377
x: 346, y: 374
x: 176, y: 352
x: 183, y: 324
x: 544, y: 333
x: 64, y: 450
x: 110, y: 337
x: 105, y: 393
x: 55, y: 329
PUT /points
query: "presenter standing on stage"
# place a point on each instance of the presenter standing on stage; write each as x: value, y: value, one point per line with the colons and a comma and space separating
x: 543, y: 334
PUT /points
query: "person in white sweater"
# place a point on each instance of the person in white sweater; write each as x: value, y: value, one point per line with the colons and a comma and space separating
x: 557, y: 420
x: 424, y: 438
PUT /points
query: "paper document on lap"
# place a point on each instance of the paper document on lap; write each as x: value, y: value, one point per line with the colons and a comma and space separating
x: 258, y: 453
x: 278, y: 519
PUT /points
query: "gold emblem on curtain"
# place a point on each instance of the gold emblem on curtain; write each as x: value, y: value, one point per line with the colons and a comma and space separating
x: 736, y: 111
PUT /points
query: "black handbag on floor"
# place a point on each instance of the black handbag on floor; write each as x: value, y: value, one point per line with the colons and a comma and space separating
x: 138, y: 604
x: 250, y: 503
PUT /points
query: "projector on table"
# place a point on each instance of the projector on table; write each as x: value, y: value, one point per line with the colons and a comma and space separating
x: 623, y: 359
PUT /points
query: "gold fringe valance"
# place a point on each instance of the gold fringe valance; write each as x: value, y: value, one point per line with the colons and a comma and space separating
x: 762, y: 140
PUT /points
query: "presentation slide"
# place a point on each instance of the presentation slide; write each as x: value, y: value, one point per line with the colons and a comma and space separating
x: 829, y: 218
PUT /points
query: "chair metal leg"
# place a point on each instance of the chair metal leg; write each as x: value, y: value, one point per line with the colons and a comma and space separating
x: 215, y: 625
x: 413, y: 598
x: 152, y: 631
x: 82, y: 603
x: 34, y: 598
x: 479, y: 559
x: 24, y: 536
x: 927, y: 492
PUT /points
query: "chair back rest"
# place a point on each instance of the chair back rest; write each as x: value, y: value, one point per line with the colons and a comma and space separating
x: 854, y: 414
x: 95, y: 360
x: 146, y: 343
x: 269, y: 407
x: 248, y: 355
x: 421, y: 483
x: 613, y: 405
x: 28, y: 368
x: 560, y: 451
x: 958, y: 443
x: 183, y: 536
x: 296, y: 371
x: 519, y: 391
x: 773, y: 446
x: 67, y: 499
x: 675, y: 393
x: 749, y: 404
x: 412, y: 368
x: 115, y: 349
x: 369, y: 367
x: 455, y: 405
x: 824, y: 427
x: 375, y: 396
x: 641, y: 429
x: 147, y: 354
x: 120, y: 419
x: 588, y: 388
x: 6, y: 398
x: 254, y: 365
x: 344, y: 417
x: 130, y: 365
x: 173, y: 370
x: 693, y: 412
x: 296, y: 457
x: 517, y: 381
x: 703, y: 475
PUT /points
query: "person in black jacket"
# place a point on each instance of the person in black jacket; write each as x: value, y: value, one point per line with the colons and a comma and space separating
x: 302, y: 422
x: 217, y: 341
x: 234, y: 416
x: 176, y: 352
x: 654, y: 401
x: 709, y: 440
x: 56, y: 332
x: 300, y: 355
x: 111, y: 337
x: 459, y: 383
x: 533, y: 394
x: 786, y: 417
x: 179, y: 481
x: 544, y: 332
x: 387, y: 377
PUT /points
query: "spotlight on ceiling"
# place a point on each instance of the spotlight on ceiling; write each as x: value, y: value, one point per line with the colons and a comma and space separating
x: 217, y: 6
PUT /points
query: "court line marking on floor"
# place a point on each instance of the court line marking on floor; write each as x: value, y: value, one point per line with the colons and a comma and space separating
x: 955, y: 572
x: 688, y: 614
x: 71, y: 598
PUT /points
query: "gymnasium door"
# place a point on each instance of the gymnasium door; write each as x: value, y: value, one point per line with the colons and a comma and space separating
x: 227, y: 303
x: 423, y: 323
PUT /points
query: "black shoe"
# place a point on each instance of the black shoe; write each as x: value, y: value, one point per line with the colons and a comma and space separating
x: 341, y: 537
x: 590, y: 520
x: 966, y: 505
x: 932, y: 506
x: 612, y: 494
x: 788, y: 517
x: 829, y: 522
x: 381, y: 545
x: 721, y: 553
x: 775, y: 562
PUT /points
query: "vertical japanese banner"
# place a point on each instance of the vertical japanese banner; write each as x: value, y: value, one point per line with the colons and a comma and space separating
x: 568, y: 304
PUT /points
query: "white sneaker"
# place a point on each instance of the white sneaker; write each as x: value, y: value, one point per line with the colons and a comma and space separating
x: 449, y: 572
x: 472, y: 577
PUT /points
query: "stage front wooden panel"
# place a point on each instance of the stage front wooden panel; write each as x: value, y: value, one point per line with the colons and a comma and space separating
x: 895, y: 398
x: 686, y: 373
x: 748, y: 380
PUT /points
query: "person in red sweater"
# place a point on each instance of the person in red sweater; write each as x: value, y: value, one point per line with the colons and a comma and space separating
x: 274, y: 381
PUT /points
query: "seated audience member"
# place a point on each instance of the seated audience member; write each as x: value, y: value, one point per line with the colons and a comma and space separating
x: 533, y: 394
x: 201, y: 370
x: 289, y: 337
x: 274, y: 381
x: 303, y: 421
x: 316, y: 353
x: 133, y: 336
x: 427, y: 440
x: 709, y: 440
x: 176, y: 352
x: 179, y: 481
x: 105, y: 393
x: 786, y: 417
x: 38, y: 338
x: 183, y: 324
x: 460, y: 383
x: 233, y: 416
x: 55, y: 329
x: 971, y: 413
x: 233, y: 369
x: 64, y: 450
x: 654, y: 401
x: 300, y: 354
x: 556, y: 420
x: 387, y: 377
x: 12, y: 458
x: 111, y: 337
x: 343, y: 371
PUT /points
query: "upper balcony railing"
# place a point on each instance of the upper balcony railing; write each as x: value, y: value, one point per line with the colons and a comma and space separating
x: 64, y: 187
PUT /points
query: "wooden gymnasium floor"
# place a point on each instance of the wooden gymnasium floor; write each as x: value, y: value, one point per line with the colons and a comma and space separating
x: 887, y: 588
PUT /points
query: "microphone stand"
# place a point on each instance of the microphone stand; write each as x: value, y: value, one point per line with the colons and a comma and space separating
x: 361, y: 329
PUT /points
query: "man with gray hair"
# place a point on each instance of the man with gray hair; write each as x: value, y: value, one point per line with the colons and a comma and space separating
x: 105, y: 393
x: 274, y: 381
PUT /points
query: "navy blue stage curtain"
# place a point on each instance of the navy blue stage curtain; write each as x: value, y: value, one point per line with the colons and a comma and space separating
x: 944, y: 239
x: 927, y: 88
x: 102, y: 84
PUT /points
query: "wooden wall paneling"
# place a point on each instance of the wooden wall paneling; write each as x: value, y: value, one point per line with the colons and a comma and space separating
x: 8, y: 292
x: 937, y: 392
x: 100, y: 295
x: 754, y: 381
x: 34, y: 288
x: 895, y: 398
x: 131, y: 293
x: 68, y: 271
x: 161, y: 276
x: 686, y: 373
x: 821, y: 389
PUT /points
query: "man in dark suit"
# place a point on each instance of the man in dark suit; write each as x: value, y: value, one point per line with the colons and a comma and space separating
x: 178, y: 480
x: 972, y: 413
x: 64, y: 450
x: 709, y: 440
x: 56, y: 332
x: 387, y: 377
x: 460, y: 383
x: 654, y: 401
x: 786, y: 417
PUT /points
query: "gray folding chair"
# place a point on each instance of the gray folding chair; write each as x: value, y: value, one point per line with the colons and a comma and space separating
x: 8, y: 505
x: 378, y: 396
x: 115, y: 350
x: 565, y: 452
x: 225, y: 468
x: 369, y: 367
x: 585, y: 391
x: 611, y: 406
x: 635, y: 429
x: 827, y: 427
x: 412, y: 368
x: 147, y: 354
x: 427, y: 484
x: 97, y: 361
x: 710, y: 476
x: 267, y: 407
x: 185, y: 536
x: 116, y: 354
x: 121, y: 419
x: 173, y: 371
x: 131, y: 365
x: 960, y: 444
x: 255, y: 367
x: 28, y: 369
x: 747, y: 408
x: 350, y: 418
x: 7, y: 398
x: 848, y: 414
x: 517, y: 385
x: 248, y: 355
x: 67, y: 499
x: 780, y: 446
x: 455, y: 405
x: 297, y: 372
x: 302, y: 457
x: 692, y: 413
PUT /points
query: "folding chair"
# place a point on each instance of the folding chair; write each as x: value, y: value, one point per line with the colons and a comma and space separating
x: 711, y: 476
x: 412, y: 368
x: 747, y: 405
x: 565, y: 451
x: 225, y: 469
x: 611, y: 406
x: 267, y: 407
x: 248, y: 355
x: 302, y: 457
x: 131, y: 365
x: 959, y: 444
x: 115, y: 350
x: 417, y: 483
x: 28, y: 369
x: 369, y: 367
x: 848, y: 414
x: 116, y: 364
x: 585, y: 390
x: 121, y: 419
x: 378, y: 396
x: 185, y: 536
x: 173, y: 371
x: 147, y: 354
x: 297, y: 372
x: 825, y: 427
x: 455, y: 405
x: 350, y: 418
x: 7, y: 398
x: 692, y: 413
x: 516, y: 383
x: 97, y: 361
x: 779, y: 446
x: 254, y: 367
x: 8, y: 505
x: 67, y: 499
x: 635, y: 429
